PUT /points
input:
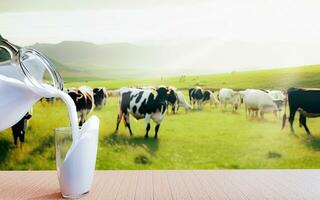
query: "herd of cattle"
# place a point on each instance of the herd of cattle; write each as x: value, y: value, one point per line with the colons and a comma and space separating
x: 152, y: 103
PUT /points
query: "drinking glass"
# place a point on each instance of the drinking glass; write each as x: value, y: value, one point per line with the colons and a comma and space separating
x: 70, y: 187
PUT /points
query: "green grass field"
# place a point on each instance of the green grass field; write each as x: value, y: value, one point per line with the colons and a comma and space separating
x: 205, y: 139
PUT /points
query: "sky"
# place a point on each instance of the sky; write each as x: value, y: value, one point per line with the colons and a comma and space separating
x: 255, y: 22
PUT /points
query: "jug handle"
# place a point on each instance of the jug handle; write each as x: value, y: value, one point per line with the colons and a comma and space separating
x: 9, y: 47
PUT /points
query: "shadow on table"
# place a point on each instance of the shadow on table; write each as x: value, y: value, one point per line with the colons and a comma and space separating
x: 56, y: 195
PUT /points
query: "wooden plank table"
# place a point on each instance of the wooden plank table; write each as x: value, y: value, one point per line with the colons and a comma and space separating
x: 171, y: 184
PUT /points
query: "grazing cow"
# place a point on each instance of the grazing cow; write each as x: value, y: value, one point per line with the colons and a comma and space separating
x: 229, y: 96
x: 208, y: 97
x: 19, y: 129
x: 182, y: 101
x: 172, y: 99
x: 196, y: 96
x: 278, y: 97
x: 100, y: 97
x: 84, y: 101
x: 305, y: 101
x: 258, y: 101
x: 199, y: 97
x: 142, y: 104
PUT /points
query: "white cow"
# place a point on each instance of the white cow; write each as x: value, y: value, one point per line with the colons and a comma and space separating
x: 257, y: 101
x: 229, y: 96
x: 182, y: 101
x: 278, y: 97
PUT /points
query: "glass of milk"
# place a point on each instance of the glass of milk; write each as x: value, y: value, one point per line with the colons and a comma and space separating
x: 63, y: 142
x: 76, y: 158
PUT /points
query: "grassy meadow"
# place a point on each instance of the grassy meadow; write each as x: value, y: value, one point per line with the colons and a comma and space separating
x: 200, y: 139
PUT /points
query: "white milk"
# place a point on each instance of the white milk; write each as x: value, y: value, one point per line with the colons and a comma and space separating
x: 77, y: 170
x: 21, y: 86
x: 18, y: 97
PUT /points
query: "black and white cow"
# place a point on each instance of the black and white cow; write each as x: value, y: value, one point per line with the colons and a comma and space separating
x: 176, y: 99
x: 83, y: 98
x: 198, y: 97
x: 306, y: 102
x: 172, y: 99
x: 100, y: 97
x: 19, y: 129
x: 147, y: 104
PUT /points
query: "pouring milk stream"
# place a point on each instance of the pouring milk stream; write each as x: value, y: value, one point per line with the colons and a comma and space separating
x: 21, y: 86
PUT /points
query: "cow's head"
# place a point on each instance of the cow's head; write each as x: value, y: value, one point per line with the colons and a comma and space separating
x: 162, y: 91
x: 171, y: 94
x: 99, y: 95
x: 75, y: 95
x: 279, y: 103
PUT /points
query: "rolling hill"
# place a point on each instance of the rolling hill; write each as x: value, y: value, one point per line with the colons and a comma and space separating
x: 82, y: 61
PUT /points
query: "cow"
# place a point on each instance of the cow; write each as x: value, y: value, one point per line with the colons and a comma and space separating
x: 147, y: 104
x: 306, y: 102
x: 208, y: 97
x: 278, y: 97
x: 100, y: 97
x: 182, y: 102
x: 229, y: 96
x: 84, y: 101
x: 172, y: 99
x: 19, y: 129
x: 176, y: 99
x: 200, y: 97
x: 196, y: 96
x: 258, y: 101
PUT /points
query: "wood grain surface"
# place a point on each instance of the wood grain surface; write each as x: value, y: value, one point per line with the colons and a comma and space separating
x: 171, y: 185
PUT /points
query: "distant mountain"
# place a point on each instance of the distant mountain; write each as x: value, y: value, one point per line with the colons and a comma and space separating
x: 84, y: 60
x: 120, y: 60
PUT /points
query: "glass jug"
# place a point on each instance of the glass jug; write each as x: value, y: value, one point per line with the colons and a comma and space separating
x: 22, y: 79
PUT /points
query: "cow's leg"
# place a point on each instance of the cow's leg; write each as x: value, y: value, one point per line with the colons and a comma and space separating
x: 127, y: 122
x: 303, y: 122
x: 81, y: 119
x: 15, y: 138
x: 147, y: 118
x: 156, y: 131
x: 275, y: 113
x: 176, y: 107
x: 119, y: 117
x: 246, y: 111
x: 291, y: 119
x: 255, y: 114
x: 261, y: 114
